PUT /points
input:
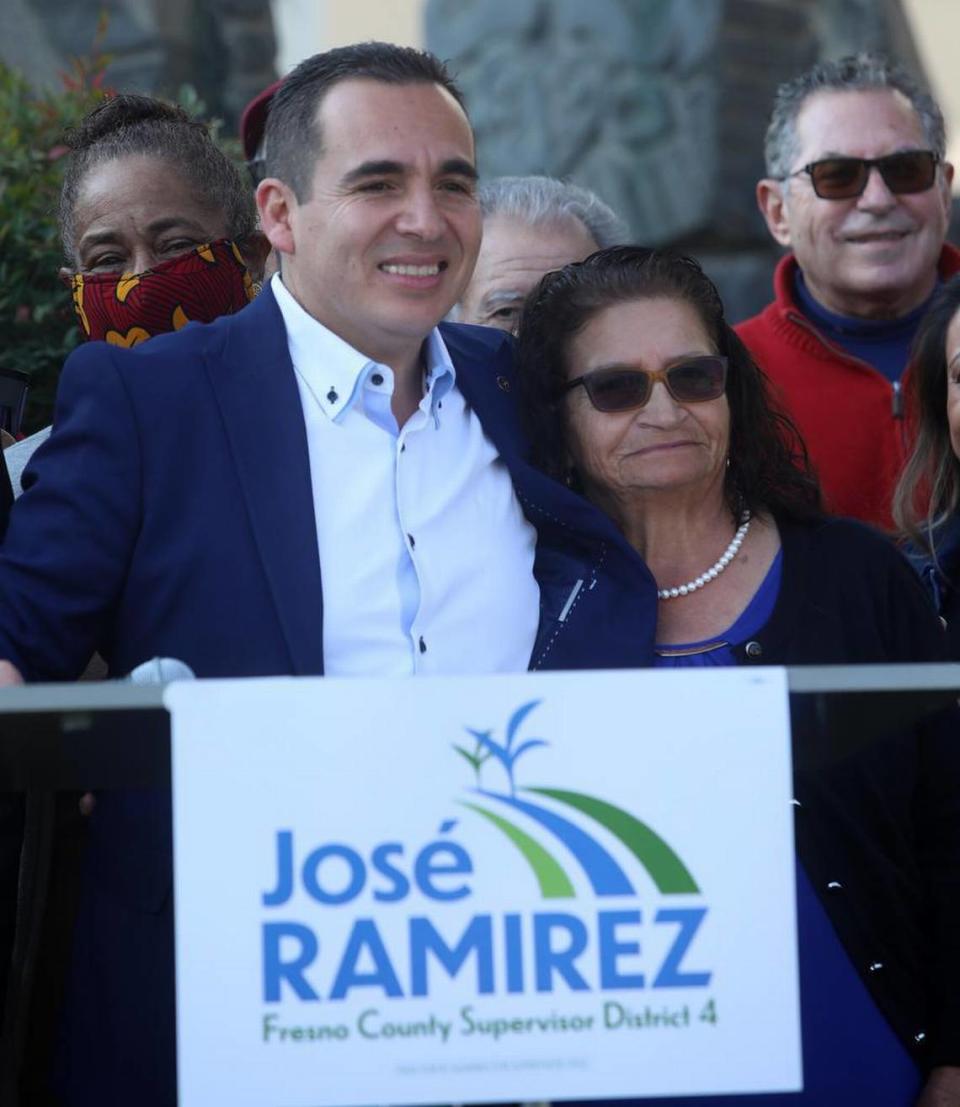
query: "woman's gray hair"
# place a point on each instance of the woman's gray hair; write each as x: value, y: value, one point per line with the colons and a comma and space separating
x: 856, y: 72
x: 129, y: 125
x: 539, y: 200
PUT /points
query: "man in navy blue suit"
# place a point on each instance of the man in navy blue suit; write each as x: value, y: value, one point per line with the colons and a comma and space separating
x: 326, y: 482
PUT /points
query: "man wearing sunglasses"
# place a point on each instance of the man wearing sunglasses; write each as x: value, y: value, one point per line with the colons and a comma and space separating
x: 858, y: 190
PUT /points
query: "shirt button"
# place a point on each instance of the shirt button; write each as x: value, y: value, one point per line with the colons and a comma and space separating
x: 920, y: 1036
x: 376, y: 378
x: 753, y: 649
x: 403, y: 448
x: 412, y: 546
x: 875, y: 966
x: 834, y: 886
x: 332, y: 396
x: 423, y: 645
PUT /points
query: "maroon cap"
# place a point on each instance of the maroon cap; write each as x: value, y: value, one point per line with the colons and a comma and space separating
x: 253, y: 121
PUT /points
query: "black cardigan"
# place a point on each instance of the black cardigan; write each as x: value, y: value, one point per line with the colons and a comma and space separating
x: 877, y: 816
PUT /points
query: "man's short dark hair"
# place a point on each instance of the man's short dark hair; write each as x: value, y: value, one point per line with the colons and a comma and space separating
x: 293, y: 139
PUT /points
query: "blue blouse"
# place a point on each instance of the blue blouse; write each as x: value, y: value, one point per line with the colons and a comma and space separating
x: 719, y: 651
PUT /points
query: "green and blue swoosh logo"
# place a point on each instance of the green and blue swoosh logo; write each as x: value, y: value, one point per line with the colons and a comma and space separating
x: 603, y: 871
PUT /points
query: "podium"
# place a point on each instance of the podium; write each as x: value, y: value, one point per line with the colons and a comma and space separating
x: 79, y: 736
x: 94, y: 737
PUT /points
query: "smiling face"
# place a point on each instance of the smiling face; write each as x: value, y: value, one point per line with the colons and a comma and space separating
x: 664, y: 447
x: 135, y: 212
x: 514, y: 255
x: 382, y: 248
x: 953, y: 382
x: 874, y: 255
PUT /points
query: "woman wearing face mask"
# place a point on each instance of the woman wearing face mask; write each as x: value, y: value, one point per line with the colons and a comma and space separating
x: 159, y: 229
x: 926, y: 504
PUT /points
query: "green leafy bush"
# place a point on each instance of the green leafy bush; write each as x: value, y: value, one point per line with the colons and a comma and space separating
x: 37, y: 325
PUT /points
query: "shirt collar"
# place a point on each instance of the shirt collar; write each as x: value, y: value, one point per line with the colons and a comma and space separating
x: 335, y: 373
x: 439, y: 372
x: 328, y: 366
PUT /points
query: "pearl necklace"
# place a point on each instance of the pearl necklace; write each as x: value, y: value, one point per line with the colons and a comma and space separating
x: 715, y: 569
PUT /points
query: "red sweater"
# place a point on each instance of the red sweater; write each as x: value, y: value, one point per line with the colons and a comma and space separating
x: 850, y: 415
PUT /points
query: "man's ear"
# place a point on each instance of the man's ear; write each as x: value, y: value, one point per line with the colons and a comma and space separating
x: 277, y: 204
x: 773, y: 207
x: 254, y: 248
x: 65, y: 276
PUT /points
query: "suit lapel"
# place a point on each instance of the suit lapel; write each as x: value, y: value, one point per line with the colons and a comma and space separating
x: 485, y: 375
x: 255, y: 385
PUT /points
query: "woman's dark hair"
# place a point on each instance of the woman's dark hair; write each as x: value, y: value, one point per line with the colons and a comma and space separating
x: 769, y: 469
x: 929, y: 489
x: 132, y: 125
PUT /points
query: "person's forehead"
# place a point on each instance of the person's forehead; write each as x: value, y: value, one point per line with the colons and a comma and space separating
x: 145, y: 187
x: 656, y: 328
x: 130, y: 175
x: 357, y: 113
x: 513, y: 245
x: 857, y: 122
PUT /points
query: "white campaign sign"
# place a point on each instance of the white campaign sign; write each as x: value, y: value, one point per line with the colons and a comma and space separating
x: 543, y: 886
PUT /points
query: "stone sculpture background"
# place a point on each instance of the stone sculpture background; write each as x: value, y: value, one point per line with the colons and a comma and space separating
x: 225, y: 49
x: 659, y: 106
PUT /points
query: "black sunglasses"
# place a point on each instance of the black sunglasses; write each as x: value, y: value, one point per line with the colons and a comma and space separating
x: 691, y: 382
x: 845, y: 178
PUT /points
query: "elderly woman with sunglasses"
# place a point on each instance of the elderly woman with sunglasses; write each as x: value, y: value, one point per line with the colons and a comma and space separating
x: 638, y: 394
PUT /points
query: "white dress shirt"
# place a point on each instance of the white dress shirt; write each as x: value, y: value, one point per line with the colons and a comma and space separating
x: 425, y: 555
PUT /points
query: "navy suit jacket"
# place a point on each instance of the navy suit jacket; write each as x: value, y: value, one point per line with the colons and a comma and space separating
x: 171, y: 514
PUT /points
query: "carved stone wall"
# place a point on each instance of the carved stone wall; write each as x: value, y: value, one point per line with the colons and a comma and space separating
x: 659, y: 106
x: 619, y: 97
x: 224, y: 48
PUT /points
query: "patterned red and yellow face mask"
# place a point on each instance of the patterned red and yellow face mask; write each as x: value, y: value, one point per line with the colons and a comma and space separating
x: 128, y: 308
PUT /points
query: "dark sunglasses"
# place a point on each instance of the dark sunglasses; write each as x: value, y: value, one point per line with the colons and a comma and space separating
x: 691, y: 382
x: 845, y: 178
